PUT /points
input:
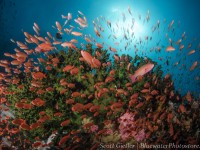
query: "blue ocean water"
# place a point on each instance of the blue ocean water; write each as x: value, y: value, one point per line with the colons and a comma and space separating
x: 18, y: 16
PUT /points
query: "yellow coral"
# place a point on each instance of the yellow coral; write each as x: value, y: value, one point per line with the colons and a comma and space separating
x: 114, y: 137
x: 86, y: 120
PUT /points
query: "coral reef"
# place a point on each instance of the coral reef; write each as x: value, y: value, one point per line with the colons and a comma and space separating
x: 84, y: 98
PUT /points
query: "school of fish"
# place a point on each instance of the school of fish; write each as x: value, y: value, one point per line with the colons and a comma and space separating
x: 83, y: 96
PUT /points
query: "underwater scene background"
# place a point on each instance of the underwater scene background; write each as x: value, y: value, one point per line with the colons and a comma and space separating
x: 94, y: 74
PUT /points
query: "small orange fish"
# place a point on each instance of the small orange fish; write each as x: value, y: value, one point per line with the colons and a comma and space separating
x: 36, y: 144
x: 154, y: 92
x: 48, y: 68
x: 88, y: 106
x: 171, y: 129
x: 128, y: 67
x: 2, y: 100
x: 36, y: 30
x: 16, y: 62
x: 169, y: 117
x: 116, y: 58
x: 94, y: 108
x: 36, y: 25
x: 163, y: 116
x: 156, y: 116
x: 25, y: 126
x: 69, y: 45
x: 88, y: 40
x: 27, y: 106
x: 22, y: 45
x: 27, y: 35
x: 43, y: 119
x: 49, y: 34
x: 97, y: 32
x: 73, y: 41
x: 99, y: 45
x: 193, y: 66
x: 62, y: 91
x: 191, y: 52
x: 139, y: 105
x: 179, y: 41
x: 76, y: 33
x: 68, y: 68
x: 38, y: 75
x: 112, y: 72
x: 132, y: 102
x: 181, y: 108
x: 181, y: 47
x: 58, y: 114
x: 109, y: 79
x: 64, y: 140
x: 71, y: 85
x: 73, y: 132
x: 170, y: 25
x: 41, y: 39
x: 34, y: 40
x: 87, y: 56
x: 65, y: 123
x: 96, y: 63
x: 57, y: 43
x: 145, y: 91
x: 18, y: 121
x: 112, y: 49
x: 49, y: 89
x: 14, y: 130
x: 170, y: 48
x: 78, y: 107
x: 21, y: 54
x: 19, y: 105
x: 38, y: 102
x: 42, y: 113
x: 75, y: 94
x: 58, y: 26
x: 74, y: 71
x: 83, y: 95
x: 134, y: 96
x: 148, y: 97
x: 96, y: 114
x: 45, y: 47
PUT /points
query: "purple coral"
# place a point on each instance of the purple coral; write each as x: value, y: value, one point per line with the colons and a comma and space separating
x: 94, y: 128
x: 127, y: 128
x: 140, y: 136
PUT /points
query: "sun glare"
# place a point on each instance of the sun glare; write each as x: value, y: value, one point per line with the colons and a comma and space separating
x: 129, y: 29
x: 129, y: 26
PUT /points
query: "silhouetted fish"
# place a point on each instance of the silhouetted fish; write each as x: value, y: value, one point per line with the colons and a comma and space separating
x: 167, y: 62
x: 58, y: 35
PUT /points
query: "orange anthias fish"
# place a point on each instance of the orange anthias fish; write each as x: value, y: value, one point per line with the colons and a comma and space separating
x: 87, y: 57
x: 193, y: 66
x: 141, y: 71
x: 93, y: 62
x: 191, y: 52
x: 38, y: 102
x: 45, y: 47
x: 76, y: 33
x: 170, y: 48
x: 65, y: 123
